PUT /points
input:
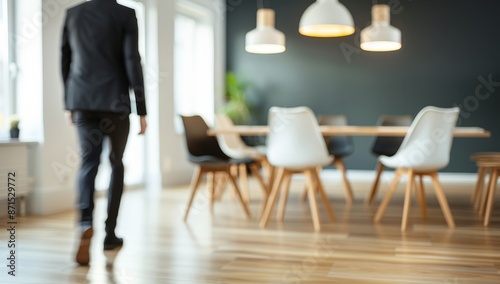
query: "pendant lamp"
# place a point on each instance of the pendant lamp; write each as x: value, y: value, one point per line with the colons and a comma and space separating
x: 326, y: 18
x: 265, y: 39
x: 380, y: 35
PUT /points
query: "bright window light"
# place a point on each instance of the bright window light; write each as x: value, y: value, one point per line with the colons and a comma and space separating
x: 193, y: 64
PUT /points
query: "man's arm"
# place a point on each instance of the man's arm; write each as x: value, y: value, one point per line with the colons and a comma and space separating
x: 133, y: 65
x: 65, y: 66
x: 65, y: 52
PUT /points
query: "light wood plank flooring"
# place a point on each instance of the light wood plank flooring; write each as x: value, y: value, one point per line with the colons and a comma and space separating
x: 161, y: 248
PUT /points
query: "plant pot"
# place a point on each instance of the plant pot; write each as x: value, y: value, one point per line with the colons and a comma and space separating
x: 14, y: 133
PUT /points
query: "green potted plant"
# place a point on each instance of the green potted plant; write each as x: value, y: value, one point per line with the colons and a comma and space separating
x: 236, y: 106
x: 14, y: 126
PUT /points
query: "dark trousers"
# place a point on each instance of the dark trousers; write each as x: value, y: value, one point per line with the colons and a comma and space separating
x: 92, y: 128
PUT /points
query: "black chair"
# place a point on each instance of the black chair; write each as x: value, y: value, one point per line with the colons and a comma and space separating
x: 387, y: 146
x: 205, y: 153
x: 340, y: 147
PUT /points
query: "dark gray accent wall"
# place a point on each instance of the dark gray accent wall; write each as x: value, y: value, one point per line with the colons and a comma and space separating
x: 450, y: 48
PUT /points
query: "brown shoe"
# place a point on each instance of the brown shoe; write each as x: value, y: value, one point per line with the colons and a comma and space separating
x: 83, y: 254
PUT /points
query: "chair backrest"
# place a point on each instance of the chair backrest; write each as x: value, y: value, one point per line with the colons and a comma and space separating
x: 387, y: 145
x: 230, y: 143
x: 295, y: 140
x: 199, y: 143
x: 428, y: 141
x: 339, y: 146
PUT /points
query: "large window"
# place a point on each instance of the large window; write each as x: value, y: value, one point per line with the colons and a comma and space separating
x: 7, y: 99
x: 193, y: 62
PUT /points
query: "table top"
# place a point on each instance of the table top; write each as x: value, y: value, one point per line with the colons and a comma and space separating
x: 351, y: 130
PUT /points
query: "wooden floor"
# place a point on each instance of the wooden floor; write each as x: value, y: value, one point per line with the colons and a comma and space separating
x: 161, y: 248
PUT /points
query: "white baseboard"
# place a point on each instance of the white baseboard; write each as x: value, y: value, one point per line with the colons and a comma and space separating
x: 52, y: 200
x: 367, y: 176
x: 362, y: 180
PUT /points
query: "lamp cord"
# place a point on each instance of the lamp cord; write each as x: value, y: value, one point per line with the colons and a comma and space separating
x: 260, y: 4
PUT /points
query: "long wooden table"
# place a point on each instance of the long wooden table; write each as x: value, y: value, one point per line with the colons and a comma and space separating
x: 466, y: 132
x: 251, y: 130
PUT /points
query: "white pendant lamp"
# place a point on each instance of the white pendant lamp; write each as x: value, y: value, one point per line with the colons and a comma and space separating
x: 380, y: 35
x: 265, y: 39
x: 326, y: 18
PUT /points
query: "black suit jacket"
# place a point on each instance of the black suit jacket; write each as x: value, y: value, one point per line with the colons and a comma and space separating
x: 100, y: 58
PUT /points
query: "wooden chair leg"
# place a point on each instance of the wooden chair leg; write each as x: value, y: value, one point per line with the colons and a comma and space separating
x: 260, y: 180
x: 272, y: 198
x: 420, y: 192
x: 491, y: 196
x: 243, y: 177
x: 240, y: 198
x: 442, y: 201
x: 221, y: 179
x: 272, y: 177
x: 265, y: 187
x: 263, y: 206
x: 374, y: 189
x: 388, y: 195
x: 210, y: 181
x: 339, y: 163
x: 195, y: 182
x: 324, y: 197
x: 407, y: 204
x: 478, y: 190
x: 267, y: 168
x: 304, y: 193
x: 233, y: 171
x: 312, y: 199
x: 303, y: 197
x: 212, y: 185
x: 284, y: 196
x: 485, y: 196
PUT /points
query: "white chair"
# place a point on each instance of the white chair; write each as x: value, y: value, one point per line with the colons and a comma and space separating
x: 424, y: 151
x: 295, y: 145
x: 339, y: 147
x: 387, y: 146
x: 233, y: 146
